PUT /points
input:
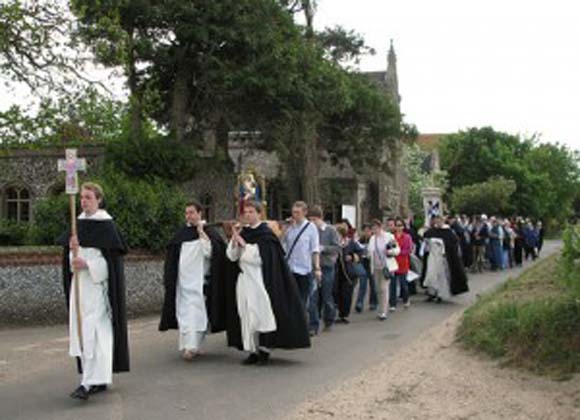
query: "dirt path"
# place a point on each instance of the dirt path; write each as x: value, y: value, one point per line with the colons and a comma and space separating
x: 435, y: 379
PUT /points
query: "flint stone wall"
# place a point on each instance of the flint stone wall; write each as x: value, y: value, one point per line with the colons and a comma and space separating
x: 37, y: 169
x: 33, y: 294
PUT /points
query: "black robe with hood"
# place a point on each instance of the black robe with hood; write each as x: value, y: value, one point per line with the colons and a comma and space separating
x: 105, y: 236
x: 458, y: 283
x: 464, y: 243
x: 214, y: 289
x: 291, y: 326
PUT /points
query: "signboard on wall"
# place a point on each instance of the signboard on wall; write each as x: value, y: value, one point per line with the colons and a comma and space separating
x: 349, y: 213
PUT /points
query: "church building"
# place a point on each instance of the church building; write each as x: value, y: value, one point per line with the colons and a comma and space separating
x: 28, y: 175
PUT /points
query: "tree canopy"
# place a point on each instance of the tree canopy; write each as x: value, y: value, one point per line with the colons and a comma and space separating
x: 490, y: 197
x: 82, y: 117
x: 547, y: 176
x: 200, y: 65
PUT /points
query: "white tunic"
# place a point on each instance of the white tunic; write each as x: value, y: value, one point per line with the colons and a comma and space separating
x: 437, y: 276
x: 97, y: 328
x: 254, y: 306
x: 190, y: 310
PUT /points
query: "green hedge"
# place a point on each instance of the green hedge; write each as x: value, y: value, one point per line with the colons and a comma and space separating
x: 51, y: 218
x: 147, y: 212
x: 13, y: 233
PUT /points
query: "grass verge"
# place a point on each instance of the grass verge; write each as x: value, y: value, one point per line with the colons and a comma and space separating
x: 532, y: 322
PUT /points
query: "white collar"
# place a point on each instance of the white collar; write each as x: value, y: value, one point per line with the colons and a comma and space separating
x: 98, y: 215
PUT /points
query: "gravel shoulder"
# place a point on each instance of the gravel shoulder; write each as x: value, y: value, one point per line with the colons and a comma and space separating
x: 434, y: 378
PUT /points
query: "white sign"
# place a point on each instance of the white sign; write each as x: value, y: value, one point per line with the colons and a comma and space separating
x: 349, y: 213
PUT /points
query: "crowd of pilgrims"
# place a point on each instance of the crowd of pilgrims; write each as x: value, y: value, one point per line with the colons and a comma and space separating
x: 267, y: 284
x: 497, y: 243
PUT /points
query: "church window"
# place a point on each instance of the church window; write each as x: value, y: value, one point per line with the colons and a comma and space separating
x: 17, y: 204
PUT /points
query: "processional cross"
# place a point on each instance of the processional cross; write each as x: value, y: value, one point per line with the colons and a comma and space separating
x: 71, y: 165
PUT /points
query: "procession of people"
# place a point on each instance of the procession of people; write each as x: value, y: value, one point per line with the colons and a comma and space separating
x: 268, y: 285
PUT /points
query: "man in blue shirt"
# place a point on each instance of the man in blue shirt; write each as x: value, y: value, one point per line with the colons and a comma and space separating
x: 301, y: 243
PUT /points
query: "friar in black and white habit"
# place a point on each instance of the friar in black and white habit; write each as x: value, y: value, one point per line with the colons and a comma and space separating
x: 444, y: 271
x: 195, y: 275
x: 99, y: 247
x: 267, y: 312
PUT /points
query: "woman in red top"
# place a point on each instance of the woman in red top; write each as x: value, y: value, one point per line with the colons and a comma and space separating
x: 403, y: 261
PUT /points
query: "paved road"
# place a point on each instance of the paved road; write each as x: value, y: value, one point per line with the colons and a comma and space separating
x: 36, y: 375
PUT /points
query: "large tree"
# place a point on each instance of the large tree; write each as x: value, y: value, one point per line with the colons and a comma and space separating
x: 546, y: 175
x: 36, y: 48
x: 331, y: 111
x: 189, y: 64
x: 199, y: 65
x: 121, y: 34
x: 559, y: 180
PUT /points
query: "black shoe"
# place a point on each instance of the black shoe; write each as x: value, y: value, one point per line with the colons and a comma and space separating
x: 263, y: 358
x: 358, y: 309
x: 95, y: 389
x: 80, y: 393
x: 251, y: 360
x: 342, y: 321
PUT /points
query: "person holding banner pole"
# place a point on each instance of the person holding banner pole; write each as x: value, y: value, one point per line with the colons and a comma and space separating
x: 93, y: 271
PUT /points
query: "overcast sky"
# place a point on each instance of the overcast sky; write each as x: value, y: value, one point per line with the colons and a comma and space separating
x: 511, y: 64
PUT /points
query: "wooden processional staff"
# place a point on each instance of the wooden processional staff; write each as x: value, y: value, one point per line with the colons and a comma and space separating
x: 71, y: 165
